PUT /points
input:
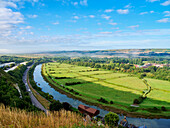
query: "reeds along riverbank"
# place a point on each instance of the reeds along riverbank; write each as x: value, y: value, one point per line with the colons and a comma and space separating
x: 12, y: 117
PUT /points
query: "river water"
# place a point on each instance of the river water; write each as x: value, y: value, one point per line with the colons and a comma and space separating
x: 150, y: 123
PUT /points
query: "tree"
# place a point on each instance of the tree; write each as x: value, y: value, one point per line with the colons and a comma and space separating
x: 111, y: 119
x: 56, y: 106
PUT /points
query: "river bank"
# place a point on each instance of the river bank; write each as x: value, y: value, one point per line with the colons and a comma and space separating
x: 118, y: 108
x: 156, y: 123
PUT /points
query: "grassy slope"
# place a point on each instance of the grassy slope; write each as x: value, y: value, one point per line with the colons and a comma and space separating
x: 121, y: 90
x: 22, y: 119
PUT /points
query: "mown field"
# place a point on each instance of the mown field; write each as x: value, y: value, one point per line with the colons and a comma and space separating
x: 120, y: 88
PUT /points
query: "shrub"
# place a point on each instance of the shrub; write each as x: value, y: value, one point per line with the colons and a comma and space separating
x: 76, y: 93
x: 56, y: 106
x: 66, y: 106
x: 111, y: 119
x: 67, y: 89
x: 103, y: 100
x: 72, y: 83
x: 154, y: 109
x: 136, y: 101
x: 71, y: 90
x: 163, y: 108
x: 139, y: 100
x: 111, y: 102
x: 142, y: 75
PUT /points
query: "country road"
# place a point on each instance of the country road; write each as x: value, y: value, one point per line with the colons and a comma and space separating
x: 35, y: 102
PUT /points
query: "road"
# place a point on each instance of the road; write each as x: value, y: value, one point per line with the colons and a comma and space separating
x: 13, y: 68
x: 35, y: 102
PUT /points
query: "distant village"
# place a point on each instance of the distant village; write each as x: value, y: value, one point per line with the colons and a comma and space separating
x: 152, y: 64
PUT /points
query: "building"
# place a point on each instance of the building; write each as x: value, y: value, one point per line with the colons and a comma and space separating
x: 87, y: 110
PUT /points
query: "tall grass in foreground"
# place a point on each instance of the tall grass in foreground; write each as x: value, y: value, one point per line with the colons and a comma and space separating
x: 12, y: 117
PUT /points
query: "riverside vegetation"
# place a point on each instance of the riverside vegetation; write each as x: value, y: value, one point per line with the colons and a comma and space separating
x: 114, y: 90
x: 90, y: 74
x: 19, y: 112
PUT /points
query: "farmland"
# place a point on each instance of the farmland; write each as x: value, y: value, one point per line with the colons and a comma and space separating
x: 117, y: 89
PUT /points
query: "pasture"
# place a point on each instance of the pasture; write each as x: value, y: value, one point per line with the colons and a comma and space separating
x: 121, y: 88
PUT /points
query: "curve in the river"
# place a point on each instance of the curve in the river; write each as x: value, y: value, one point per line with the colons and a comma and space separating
x: 150, y: 123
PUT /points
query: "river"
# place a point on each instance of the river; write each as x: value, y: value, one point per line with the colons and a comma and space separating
x: 150, y: 123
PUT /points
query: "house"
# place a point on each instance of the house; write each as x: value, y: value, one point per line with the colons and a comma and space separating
x: 87, y: 110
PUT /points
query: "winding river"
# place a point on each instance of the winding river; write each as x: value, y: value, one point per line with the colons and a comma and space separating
x: 150, y: 123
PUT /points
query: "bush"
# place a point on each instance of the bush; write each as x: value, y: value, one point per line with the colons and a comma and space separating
x: 163, y: 108
x: 111, y: 102
x: 142, y: 75
x: 66, y: 106
x: 103, y: 100
x: 136, y: 101
x: 154, y: 110
x: 67, y: 89
x: 76, y: 93
x: 111, y: 119
x: 71, y: 90
x: 56, y: 106
x: 139, y: 100
x: 73, y: 83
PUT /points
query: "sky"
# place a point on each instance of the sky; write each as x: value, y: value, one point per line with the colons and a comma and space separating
x: 28, y: 26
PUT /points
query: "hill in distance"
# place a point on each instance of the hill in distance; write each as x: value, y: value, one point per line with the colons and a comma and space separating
x: 109, y: 53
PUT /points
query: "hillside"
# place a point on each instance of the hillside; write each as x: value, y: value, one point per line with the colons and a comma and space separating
x: 9, y: 94
x: 110, y: 53
x: 22, y: 119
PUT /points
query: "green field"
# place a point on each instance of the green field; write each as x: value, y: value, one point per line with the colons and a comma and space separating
x: 121, y: 88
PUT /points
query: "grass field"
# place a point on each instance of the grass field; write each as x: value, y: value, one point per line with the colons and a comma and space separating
x: 16, y: 118
x: 121, y: 88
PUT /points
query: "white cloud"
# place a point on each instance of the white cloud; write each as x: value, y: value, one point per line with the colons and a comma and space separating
x: 121, y: 11
x: 35, y: 0
x: 27, y: 27
x: 164, y: 20
x: 128, y: 6
x: 143, y: 13
x: 83, y: 2
x: 55, y: 23
x: 91, y: 16
x: 106, y: 17
x: 133, y: 26
x: 166, y: 3
x: 76, y: 17
x: 113, y: 23
x: 152, y: 0
x: 31, y: 33
x: 64, y: 42
x: 167, y: 13
x: 32, y: 16
x: 105, y: 32
x: 7, y: 4
x: 151, y: 11
x: 8, y: 20
x: 72, y: 21
x: 74, y: 3
x: 115, y: 28
x: 5, y: 51
x: 108, y: 10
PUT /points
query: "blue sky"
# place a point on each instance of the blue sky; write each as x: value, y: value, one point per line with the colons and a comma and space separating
x: 54, y: 25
